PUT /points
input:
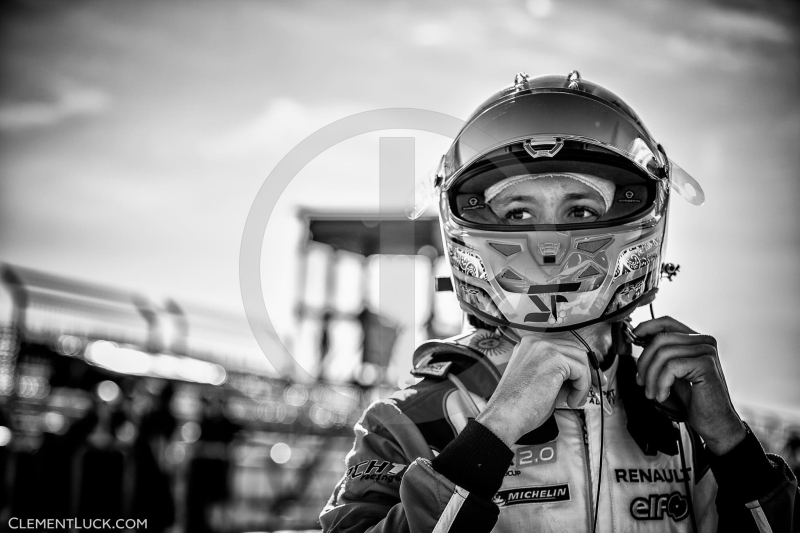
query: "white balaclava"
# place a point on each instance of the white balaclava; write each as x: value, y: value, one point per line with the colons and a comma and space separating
x: 604, y: 187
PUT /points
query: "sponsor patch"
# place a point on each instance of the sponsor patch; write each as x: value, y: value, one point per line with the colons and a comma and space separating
x: 651, y: 475
x: 610, y: 396
x: 490, y: 344
x: 536, y: 454
x: 543, y: 494
x: 434, y: 369
x: 656, y: 506
x: 376, y: 470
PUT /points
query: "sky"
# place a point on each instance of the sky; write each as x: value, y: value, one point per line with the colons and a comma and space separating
x: 134, y: 137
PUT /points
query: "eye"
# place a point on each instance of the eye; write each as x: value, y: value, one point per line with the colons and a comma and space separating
x: 518, y: 214
x: 583, y: 212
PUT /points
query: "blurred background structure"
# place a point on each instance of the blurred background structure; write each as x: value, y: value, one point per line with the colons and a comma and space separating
x: 134, y: 137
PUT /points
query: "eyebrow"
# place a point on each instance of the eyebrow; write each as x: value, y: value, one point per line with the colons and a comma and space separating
x: 524, y: 198
x: 582, y: 196
x: 517, y: 198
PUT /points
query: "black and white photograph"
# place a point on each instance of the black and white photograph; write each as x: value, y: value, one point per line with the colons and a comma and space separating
x: 426, y: 267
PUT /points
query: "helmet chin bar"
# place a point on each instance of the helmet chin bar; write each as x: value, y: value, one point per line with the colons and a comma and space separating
x: 620, y: 314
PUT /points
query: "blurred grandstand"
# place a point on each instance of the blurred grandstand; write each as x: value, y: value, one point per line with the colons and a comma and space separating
x: 114, y: 406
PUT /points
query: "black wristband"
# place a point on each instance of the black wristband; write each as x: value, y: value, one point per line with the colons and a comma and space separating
x: 745, y: 473
x: 475, y: 460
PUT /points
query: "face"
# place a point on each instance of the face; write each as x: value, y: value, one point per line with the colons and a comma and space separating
x: 548, y: 200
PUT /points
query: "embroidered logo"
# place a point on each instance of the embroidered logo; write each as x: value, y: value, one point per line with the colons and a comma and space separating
x: 610, y: 396
x: 655, y: 506
x: 651, y: 475
x: 543, y: 494
x: 376, y: 470
x: 490, y: 344
x: 536, y: 454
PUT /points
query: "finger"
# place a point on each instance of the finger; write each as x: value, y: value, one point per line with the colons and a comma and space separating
x: 532, y: 341
x: 578, y: 351
x: 559, y: 347
x: 664, y: 324
x: 542, y: 348
x: 570, y: 344
x: 582, y: 358
x: 563, y: 393
x: 664, y: 356
x: 681, y: 368
x: 578, y: 378
x: 683, y: 390
x: 603, y: 379
x: 667, y: 339
x: 573, y: 349
x: 649, y: 377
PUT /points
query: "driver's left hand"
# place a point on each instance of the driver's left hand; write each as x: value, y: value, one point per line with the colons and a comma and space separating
x: 682, y: 363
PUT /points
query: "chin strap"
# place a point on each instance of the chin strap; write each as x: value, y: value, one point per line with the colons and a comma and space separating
x: 650, y: 428
x: 649, y: 423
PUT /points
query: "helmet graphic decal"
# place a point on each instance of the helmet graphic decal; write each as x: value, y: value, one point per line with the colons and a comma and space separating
x: 506, y: 249
x: 626, y: 295
x: 594, y: 245
x: 636, y: 257
x: 466, y: 262
x: 553, y: 202
x: 589, y: 272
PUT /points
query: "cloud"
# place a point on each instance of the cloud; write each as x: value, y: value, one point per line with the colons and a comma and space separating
x: 430, y: 33
x: 283, y: 123
x: 70, y: 101
x: 747, y: 26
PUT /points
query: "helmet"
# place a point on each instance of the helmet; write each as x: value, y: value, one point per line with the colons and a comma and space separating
x: 569, y: 274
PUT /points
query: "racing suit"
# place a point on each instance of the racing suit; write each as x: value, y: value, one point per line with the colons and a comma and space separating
x: 421, y: 463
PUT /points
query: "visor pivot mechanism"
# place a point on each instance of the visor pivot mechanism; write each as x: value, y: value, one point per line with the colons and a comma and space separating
x: 573, y: 78
x: 670, y: 270
x: 443, y: 285
x: 536, y: 153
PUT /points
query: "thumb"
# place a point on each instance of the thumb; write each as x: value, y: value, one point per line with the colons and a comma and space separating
x: 682, y: 389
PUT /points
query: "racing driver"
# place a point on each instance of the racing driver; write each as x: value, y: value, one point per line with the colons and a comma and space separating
x: 553, y: 204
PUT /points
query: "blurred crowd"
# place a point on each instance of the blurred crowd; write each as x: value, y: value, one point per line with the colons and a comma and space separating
x: 120, y: 459
x: 186, y: 457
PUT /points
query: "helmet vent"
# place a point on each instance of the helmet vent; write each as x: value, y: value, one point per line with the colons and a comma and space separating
x: 510, y: 274
x: 589, y: 272
x: 506, y: 249
x: 593, y: 246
